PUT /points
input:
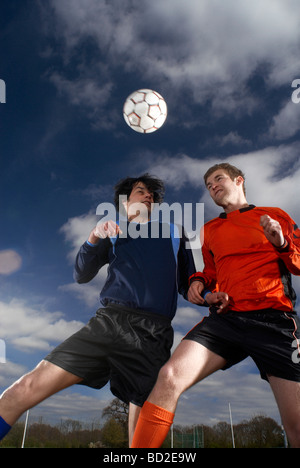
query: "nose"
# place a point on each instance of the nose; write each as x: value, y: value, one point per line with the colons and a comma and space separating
x: 213, y: 186
x: 149, y: 196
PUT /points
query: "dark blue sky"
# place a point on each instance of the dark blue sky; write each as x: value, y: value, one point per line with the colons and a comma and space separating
x: 225, y: 70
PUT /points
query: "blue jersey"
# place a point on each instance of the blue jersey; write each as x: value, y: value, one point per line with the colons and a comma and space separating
x: 145, y: 272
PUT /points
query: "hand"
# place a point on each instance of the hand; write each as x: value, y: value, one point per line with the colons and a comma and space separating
x: 194, y: 292
x: 218, y: 299
x: 272, y: 230
x: 103, y: 230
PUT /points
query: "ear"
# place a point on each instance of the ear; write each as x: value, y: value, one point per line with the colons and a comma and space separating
x: 239, y: 180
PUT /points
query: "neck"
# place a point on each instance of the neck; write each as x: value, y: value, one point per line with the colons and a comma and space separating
x: 230, y: 207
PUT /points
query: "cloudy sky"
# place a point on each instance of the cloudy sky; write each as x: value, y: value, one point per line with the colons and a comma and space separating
x: 225, y: 69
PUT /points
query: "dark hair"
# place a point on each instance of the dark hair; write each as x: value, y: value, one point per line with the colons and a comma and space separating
x: 231, y: 170
x: 152, y: 183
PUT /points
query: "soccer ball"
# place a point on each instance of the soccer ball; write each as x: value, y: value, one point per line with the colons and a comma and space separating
x: 145, y: 111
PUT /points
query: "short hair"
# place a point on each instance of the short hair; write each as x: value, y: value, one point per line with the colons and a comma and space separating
x: 231, y: 170
x: 152, y: 183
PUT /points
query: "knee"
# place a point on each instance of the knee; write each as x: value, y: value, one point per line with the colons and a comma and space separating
x: 18, y: 391
x: 168, y: 379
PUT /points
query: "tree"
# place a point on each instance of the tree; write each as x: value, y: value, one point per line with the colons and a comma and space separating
x: 117, y: 410
x: 113, y: 435
x: 259, y: 432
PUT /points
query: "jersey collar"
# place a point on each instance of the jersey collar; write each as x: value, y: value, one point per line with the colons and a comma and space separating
x: 242, y: 210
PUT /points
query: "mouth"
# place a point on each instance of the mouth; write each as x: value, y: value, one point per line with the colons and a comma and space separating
x: 218, y: 191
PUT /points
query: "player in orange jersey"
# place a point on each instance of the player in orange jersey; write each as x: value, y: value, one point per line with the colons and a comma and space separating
x: 249, y: 253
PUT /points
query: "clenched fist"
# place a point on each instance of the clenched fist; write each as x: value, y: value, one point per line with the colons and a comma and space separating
x: 272, y: 230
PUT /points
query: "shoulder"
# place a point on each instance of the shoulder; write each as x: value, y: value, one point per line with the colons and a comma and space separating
x: 272, y: 211
x: 213, y: 223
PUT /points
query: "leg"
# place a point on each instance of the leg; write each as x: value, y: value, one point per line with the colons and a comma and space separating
x: 133, y: 416
x: 287, y: 395
x: 34, y: 387
x: 190, y: 363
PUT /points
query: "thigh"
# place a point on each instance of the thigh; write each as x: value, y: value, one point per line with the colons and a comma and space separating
x: 190, y: 363
x: 47, y: 379
x: 34, y: 387
x: 287, y: 395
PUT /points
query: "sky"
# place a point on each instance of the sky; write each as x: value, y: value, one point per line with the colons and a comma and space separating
x: 226, y: 71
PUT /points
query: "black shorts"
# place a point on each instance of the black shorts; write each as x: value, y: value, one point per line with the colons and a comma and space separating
x: 119, y: 345
x: 270, y: 337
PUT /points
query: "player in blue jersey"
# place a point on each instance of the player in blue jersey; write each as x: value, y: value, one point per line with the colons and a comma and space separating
x: 130, y: 337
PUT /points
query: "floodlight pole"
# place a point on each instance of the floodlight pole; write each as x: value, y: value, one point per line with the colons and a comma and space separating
x: 232, y: 434
x: 25, y: 429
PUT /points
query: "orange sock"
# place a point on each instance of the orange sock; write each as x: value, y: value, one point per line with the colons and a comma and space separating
x: 152, y: 427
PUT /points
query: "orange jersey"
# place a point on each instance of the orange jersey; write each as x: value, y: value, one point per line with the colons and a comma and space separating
x: 239, y: 260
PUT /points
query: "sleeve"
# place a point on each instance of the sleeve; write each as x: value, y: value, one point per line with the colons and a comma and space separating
x: 208, y: 277
x: 90, y: 259
x: 186, y: 266
x: 290, y: 252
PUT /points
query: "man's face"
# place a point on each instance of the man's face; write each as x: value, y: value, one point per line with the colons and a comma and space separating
x: 223, y: 190
x: 138, y: 205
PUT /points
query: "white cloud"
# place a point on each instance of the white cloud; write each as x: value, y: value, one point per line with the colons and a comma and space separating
x: 272, y: 176
x: 30, y: 329
x: 232, y: 138
x: 210, y: 47
x: 9, y: 372
x: 286, y: 123
x: 188, y: 316
x: 76, y: 231
x: 73, y: 405
x: 88, y: 293
x: 10, y: 262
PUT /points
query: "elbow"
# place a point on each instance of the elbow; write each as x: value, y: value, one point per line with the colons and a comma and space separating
x: 81, y: 279
x: 78, y: 278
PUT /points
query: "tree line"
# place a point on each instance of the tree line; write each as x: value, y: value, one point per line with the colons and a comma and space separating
x: 111, y: 432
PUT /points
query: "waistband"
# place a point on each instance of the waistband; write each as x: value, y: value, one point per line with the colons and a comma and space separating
x: 253, y: 313
x: 120, y: 308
